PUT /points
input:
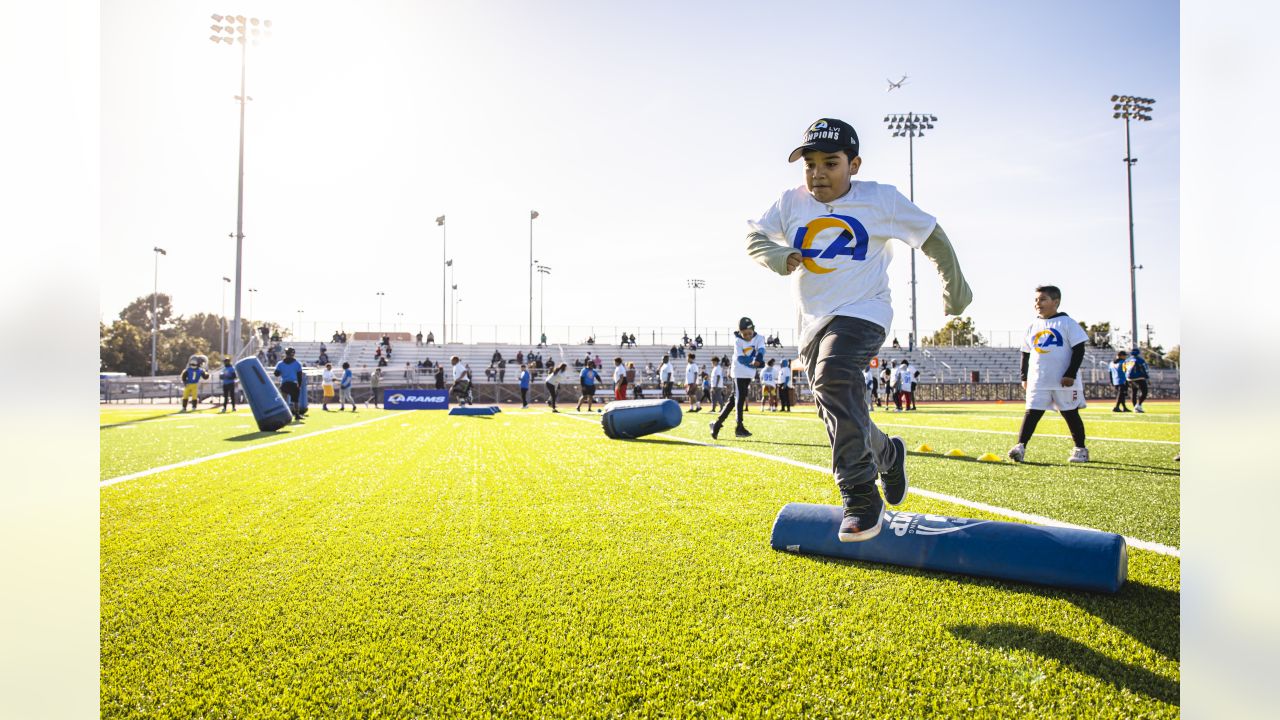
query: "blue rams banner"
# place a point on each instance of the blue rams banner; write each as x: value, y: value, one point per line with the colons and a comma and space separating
x: 415, y: 399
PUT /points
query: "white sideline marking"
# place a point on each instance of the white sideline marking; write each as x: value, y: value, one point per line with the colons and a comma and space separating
x: 994, y: 509
x: 992, y: 432
x: 237, y: 451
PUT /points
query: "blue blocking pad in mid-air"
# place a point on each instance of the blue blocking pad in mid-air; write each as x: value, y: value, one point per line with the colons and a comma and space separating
x: 1069, y: 558
x: 270, y: 410
x: 630, y: 419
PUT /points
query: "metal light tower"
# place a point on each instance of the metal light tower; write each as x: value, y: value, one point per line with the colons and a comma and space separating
x: 252, y: 292
x: 695, y: 284
x: 911, y: 125
x: 453, y: 315
x: 1129, y: 108
x: 225, y: 330
x: 533, y: 215
x: 381, y: 295
x: 155, y: 288
x: 297, y: 331
x: 543, y: 272
x: 240, y: 30
x: 444, y: 263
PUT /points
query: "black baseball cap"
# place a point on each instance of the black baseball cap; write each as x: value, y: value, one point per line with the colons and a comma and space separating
x: 745, y: 323
x: 827, y: 135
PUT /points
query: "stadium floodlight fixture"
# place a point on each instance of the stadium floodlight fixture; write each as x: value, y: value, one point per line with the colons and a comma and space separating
x: 233, y: 29
x: 1129, y: 107
x: 911, y: 125
x: 696, y: 284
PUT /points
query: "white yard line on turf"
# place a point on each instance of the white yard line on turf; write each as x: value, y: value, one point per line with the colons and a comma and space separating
x: 994, y: 509
x: 237, y: 451
x: 1093, y: 438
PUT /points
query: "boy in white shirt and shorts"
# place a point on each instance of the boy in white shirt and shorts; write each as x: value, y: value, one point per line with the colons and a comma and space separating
x: 1052, y: 351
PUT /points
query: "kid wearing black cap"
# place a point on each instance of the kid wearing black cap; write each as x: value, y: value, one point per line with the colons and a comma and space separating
x: 748, y: 355
x: 832, y: 236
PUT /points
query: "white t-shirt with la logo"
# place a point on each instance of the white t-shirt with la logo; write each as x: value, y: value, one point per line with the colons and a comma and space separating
x: 845, y: 248
x: 1049, y: 342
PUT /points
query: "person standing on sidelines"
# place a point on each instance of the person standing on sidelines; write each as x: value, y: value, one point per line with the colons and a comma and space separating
x: 1119, y: 380
x: 289, y: 370
x: 869, y: 377
x: 228, y: 377
x: 784, y: 385
x: 769, y: 387
x: 717, y: 384
x: 907, y: 381
x: 619, y: 379
x: 524, y: 386
x: 1052, y: 351
x: 587, y: 380
x: 664, y: 375
x: 633, y: 381
x: 748, y: 355
x: 1135, y: 370
x: 326, y: 386
x: 344, y: 388
x: 375, y: 387
x: 691, y: 384
x: 556, y: 377
x: 886, y: 382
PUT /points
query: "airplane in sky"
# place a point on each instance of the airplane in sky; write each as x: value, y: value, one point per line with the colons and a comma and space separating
x: 893, y: 84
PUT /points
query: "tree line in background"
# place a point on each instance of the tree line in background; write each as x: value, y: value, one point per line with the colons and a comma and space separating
x: 125, y: 344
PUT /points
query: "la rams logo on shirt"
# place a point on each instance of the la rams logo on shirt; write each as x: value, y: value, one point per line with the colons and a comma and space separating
x: 1046, y: 340
x: 849, y: 230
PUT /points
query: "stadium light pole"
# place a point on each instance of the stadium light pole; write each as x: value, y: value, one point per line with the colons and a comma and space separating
x: 453, y: 286
x: 225, y: 330
x: 533, y: 215
x: 1128, y: 107
x: 252, y: 292
x: 444, y: 286
x: 381, y: 295
x: 695, y: 284
x: 911, y: 125
x: 155, y: 288
x: 231, y: 30
x: 543, y: 272
x: 396, y: 327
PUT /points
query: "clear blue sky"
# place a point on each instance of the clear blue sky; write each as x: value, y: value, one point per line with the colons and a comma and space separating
x: 645, y: 134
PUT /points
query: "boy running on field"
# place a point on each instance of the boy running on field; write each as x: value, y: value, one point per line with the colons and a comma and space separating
x: 748, y: 355
x: 717, y: 384
x: 1051, y: 355
x: 832, y: 235
x: 769, y: 387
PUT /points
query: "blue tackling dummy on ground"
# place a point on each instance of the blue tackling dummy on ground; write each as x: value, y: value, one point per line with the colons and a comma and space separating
x: 630, y: 419
x: 270, y: 410
x: 1059, y: 557
x: 475, y: 410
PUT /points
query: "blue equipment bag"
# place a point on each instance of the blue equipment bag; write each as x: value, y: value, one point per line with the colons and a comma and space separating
x: 1069, y: 558
x: 302, y: 393
x: 630, y: 419
x: 270, y: 410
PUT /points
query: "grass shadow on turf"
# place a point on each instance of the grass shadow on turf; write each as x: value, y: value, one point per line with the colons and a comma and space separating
x: 1075, y: 655
x: 1148, y: 614
x: 135, y: 421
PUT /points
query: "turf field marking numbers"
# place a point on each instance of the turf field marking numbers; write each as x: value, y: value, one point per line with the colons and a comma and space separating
x: 237, y: 451
x: 993, y: 509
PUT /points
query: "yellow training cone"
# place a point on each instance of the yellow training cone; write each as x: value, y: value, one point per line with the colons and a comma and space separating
x: 989, y: 457
x: 956, y: 452
x: 924, y: 447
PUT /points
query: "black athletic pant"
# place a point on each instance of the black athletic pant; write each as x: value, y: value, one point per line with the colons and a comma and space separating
x: 1120, y: 395
x: 784, y: 391
x: 1072, y: 418
x: 1139, y: 390
x: 290, y: 392
x: 228, y: 394
x: 551, y: 392
x: 738, y: 401
x: 666, y: 389
x: 524, y: 396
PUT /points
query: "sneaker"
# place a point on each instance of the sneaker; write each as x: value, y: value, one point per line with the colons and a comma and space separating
x: 1079, y: 455
x: 895, y: 478
x: 862, y: 520
x: 1138, y: 409
x: 741, y: 431
x: 1017, y: 452
x: 1116, y: 409
x: 715, y: 431
x: 1125, y: 409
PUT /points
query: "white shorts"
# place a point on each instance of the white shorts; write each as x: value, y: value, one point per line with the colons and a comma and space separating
x: 1056, y: 398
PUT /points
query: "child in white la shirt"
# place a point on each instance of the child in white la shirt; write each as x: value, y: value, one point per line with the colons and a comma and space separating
x: 1052, y: 351
x: 832, y: 236
x: 692, y: 386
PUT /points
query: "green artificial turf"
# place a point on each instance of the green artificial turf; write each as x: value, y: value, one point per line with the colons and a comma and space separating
x: 524, y: 565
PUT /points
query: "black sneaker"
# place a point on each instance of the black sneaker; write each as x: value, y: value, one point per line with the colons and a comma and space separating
x: 715, y: 431
x: 741, y: 431
x: 895, y: 478
x: 862, y: 518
